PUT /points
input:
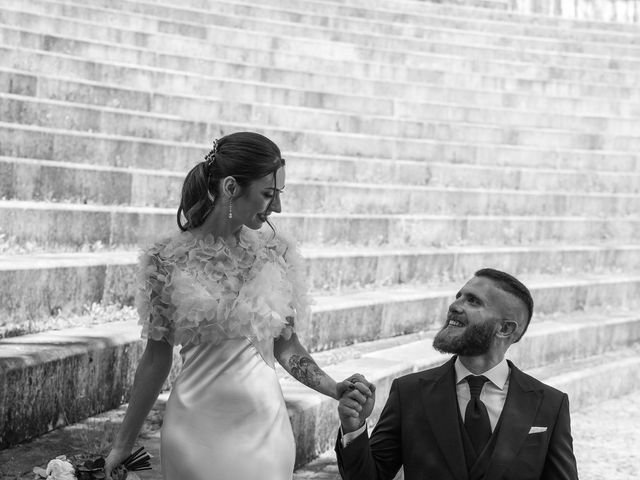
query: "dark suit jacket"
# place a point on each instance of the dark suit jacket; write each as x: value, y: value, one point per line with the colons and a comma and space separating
x: 419, y: 428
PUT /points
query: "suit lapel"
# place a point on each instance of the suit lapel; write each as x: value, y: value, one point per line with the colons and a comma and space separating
x: 441, y: 409
x: 518, y: 415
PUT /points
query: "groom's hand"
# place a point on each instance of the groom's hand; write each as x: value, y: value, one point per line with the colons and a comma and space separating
x: 356, y: 404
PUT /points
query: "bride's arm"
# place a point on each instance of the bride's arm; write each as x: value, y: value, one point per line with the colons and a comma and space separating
x: 152, y: 371
x: 298, y: 362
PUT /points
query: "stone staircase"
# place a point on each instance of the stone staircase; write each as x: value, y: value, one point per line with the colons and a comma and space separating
x: 423, y: 141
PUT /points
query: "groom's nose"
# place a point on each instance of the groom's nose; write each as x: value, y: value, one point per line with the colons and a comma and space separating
x: 455, y: 307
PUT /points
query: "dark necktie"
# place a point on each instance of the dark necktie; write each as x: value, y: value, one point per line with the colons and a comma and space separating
x: 476, y: 418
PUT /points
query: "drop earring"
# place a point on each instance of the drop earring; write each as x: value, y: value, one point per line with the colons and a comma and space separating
x: 230, y: 211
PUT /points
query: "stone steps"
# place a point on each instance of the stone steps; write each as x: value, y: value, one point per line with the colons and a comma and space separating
x: 449, y: 104
x: 45, y: 180
x: 313, y: 197
x: 30, y: 179
x: 416, y: 12
x: 325, y: 16
x: 390, y: 311
x: 420, y: 24
x: 178, y: 107
x: 67, y: 145
x: 37, y: 286
x: 189, y: 22
x: 197, y: 24
x: 430, y: 15
x: 27, y: 110
x: 169, y: 82
x: 339, y: 318
x: 434, y: 144
x: 580, y: 352
x: 168, y: 51
x: 72, y: 226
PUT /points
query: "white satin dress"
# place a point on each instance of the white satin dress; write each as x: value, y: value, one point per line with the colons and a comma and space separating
x: 226, y: 417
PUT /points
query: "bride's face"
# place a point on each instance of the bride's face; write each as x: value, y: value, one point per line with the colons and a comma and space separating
x: 260, y: 199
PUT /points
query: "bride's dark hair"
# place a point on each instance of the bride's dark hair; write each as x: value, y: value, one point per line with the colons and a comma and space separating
x: 245, y: 156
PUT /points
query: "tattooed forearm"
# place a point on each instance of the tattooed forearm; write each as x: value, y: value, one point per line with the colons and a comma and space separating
x: 305, y: 370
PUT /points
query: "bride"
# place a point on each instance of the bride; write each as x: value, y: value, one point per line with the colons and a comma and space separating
x: 230, y: 293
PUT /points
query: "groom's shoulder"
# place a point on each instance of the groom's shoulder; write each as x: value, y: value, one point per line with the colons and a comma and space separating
x: 428, y: 374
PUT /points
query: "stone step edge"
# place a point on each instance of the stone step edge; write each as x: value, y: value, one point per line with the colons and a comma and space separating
x: 412, y: 292
x: 120, y: 209
x: 382, y: 365
x: 444, y: 56
x: 80, y: 108
x: 299, y: 155
x: 55, y: 260
x: 283, y: 131
x: 328, y: 158
x: 283, y: 23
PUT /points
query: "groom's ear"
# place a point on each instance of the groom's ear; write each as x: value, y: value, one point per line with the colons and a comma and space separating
x: 507, y: 328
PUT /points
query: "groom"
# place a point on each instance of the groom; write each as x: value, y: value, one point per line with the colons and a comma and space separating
x: 475, y: 417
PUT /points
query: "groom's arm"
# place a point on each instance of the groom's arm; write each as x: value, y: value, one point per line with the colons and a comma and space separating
x: 378, y: 457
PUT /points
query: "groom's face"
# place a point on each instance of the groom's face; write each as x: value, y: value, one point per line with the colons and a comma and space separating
x: 472, y: 320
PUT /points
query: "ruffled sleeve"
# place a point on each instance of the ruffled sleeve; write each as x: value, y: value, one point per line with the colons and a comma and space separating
x: 296, y: 274
x: 153, y: 296
x: 205, y: 290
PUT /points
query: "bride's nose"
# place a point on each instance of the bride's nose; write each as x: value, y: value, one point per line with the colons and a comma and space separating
x: 275, y: 204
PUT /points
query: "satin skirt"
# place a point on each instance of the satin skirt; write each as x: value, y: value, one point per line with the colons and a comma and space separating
x: 226, y: 418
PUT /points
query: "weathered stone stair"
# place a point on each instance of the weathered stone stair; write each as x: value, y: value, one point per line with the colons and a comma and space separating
x: 423, y: 141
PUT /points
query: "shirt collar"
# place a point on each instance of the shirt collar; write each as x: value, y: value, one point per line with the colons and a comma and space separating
x: 498, y: 375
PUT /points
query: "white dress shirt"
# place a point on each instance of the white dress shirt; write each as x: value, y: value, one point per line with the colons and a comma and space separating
x: 493, y: 394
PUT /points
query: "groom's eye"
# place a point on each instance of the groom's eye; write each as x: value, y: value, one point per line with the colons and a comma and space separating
x: 473, y: 300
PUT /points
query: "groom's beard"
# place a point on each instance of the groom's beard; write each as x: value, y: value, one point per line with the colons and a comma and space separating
x: 474, y: 340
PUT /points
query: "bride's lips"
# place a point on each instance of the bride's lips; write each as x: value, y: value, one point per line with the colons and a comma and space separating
x: 263, y: 217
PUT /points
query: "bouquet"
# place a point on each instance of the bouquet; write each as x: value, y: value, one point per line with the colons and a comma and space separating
x: 61, y: 468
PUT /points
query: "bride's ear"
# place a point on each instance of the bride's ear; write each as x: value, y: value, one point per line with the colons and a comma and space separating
x: 230, y: 187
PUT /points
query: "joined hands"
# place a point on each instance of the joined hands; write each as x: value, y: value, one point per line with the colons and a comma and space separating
x: 356, y: 401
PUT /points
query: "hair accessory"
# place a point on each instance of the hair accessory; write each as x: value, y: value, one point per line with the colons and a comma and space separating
x: 211, y: 157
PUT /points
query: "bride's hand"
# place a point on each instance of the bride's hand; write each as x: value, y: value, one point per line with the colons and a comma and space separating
x: 113, y: 461
x: 356, y: 404
x: 354, y: 381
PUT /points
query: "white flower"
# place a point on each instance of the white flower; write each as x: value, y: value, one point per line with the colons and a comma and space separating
x: 60, y: 469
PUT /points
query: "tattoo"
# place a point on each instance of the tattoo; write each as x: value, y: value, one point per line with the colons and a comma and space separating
x: 305, y: 370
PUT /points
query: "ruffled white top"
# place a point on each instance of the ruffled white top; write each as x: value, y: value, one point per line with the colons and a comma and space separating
x: 193, y: 290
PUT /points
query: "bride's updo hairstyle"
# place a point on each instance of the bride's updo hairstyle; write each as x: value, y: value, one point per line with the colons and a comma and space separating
x: 245, y: 156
